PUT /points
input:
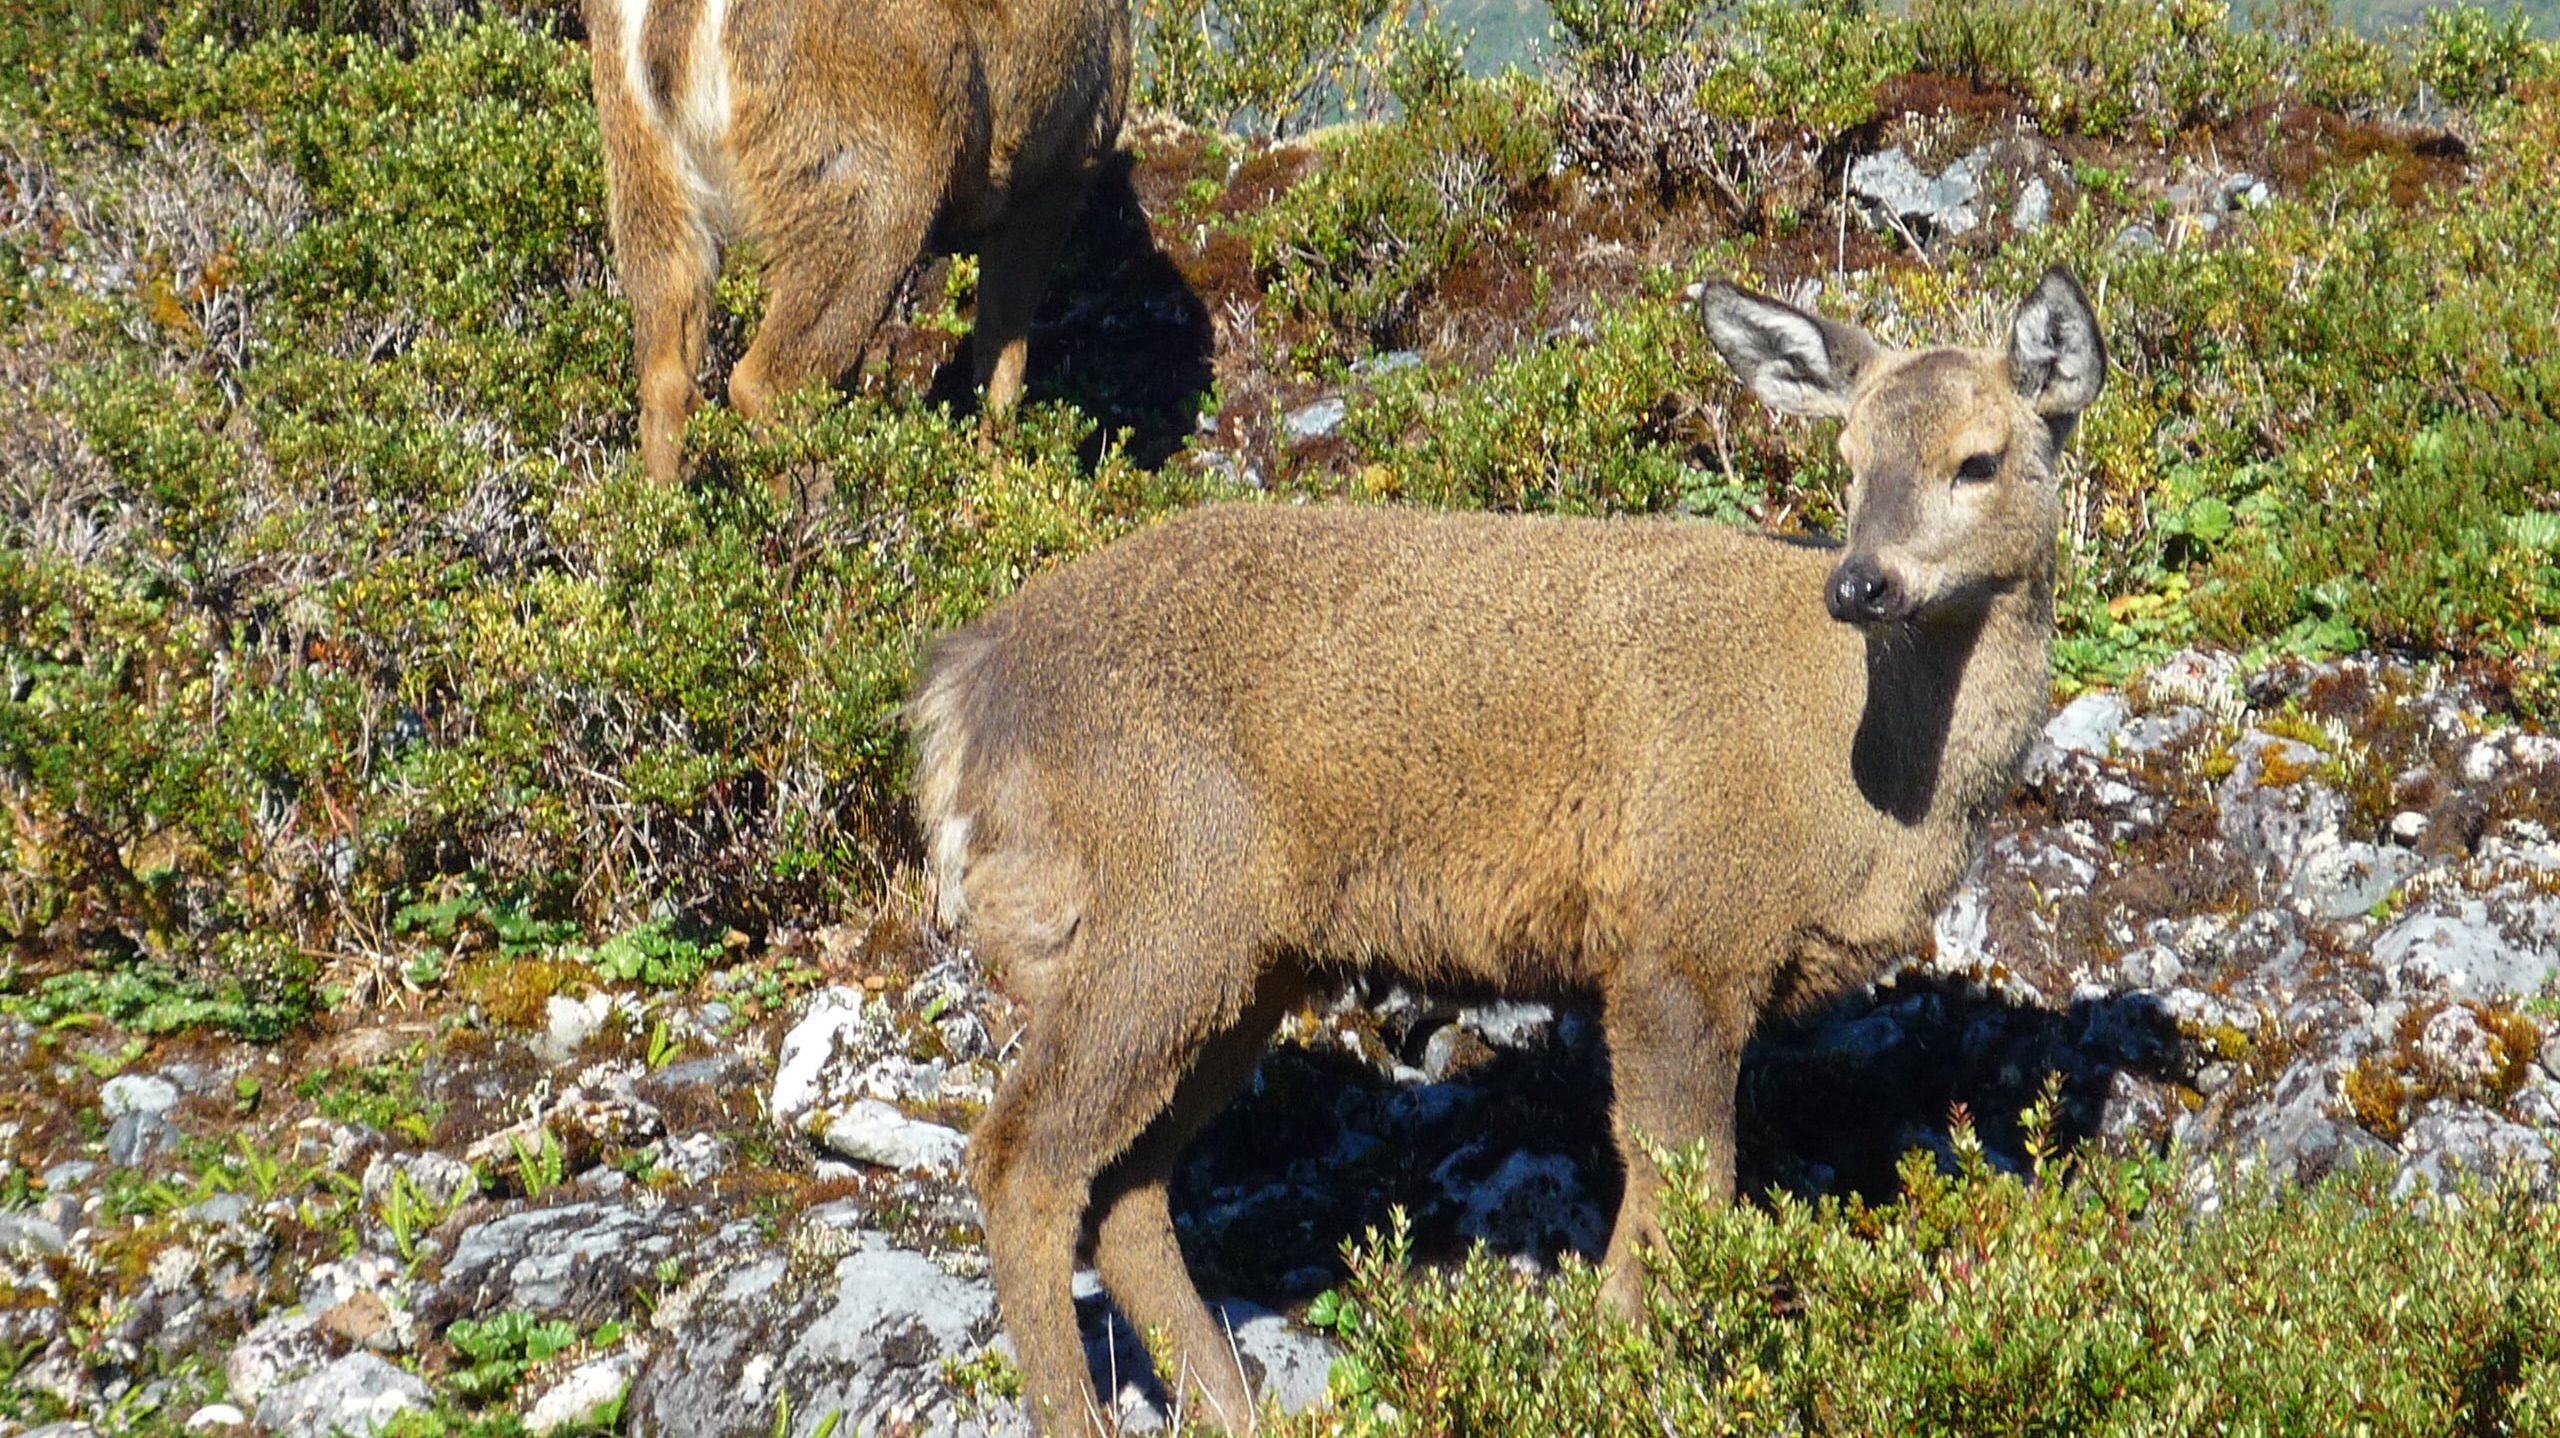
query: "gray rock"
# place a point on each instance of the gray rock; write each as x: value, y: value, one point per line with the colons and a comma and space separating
x: 1451, y: 1051
x: 1510, y: 1025
x: 357, y: 1395
x: 22, y: 1233
x: 2340, y: 881
x: 2457, y: 1047
x: 1386, y: 362
x: 580, y: 1261
x: 1854, y: 1044
x: 1894, y: 188
x: 137, y: 1109
x: 440, y: 1180
x: 1294, y: 1363
x: 2136, y: 240
x: 872, y: 1132
x: 2244, y: 191
x: 2296, y: 1132
x: 2088, y: 724
x: 696, y: 1156
x: 2152, y: 733
x: 2458, y: 949
x: 2137, y: 1111
x: 69, y: 1175
x: 863, y: 1336
x: 329, y: 1284
x: 1533, y: 1203
x: 2034, y: 207
x: 1316, y: 420
x: 135, y: 1137
x: 2455, y: 1139
x: 276, y: 1352
x: 2152, y: 966
x: 2272, y: 826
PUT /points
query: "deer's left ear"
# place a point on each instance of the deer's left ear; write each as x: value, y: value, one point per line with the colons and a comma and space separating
x: 2056, y: 357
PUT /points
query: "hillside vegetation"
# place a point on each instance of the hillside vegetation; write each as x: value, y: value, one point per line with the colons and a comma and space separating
x: 351, y: 663
x: 335, y: 597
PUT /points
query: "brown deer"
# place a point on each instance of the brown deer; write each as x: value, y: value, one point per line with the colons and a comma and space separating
x: 844, y: 136
x: 1699, y: 773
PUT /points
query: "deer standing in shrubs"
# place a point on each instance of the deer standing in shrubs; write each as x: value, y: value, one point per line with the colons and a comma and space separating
x: 844, y: 136
x: 1702, y: 774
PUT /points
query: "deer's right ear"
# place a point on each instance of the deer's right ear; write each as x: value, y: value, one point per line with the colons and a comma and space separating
x: 1797, y: 363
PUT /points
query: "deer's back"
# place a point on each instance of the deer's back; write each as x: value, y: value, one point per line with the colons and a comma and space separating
x: 953, y: 103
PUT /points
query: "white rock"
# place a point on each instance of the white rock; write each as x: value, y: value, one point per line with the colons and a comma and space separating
x: 873, y: 1132
x: 215, y: 1415
x: 357, y: 1395
x: 2455, y: 1044
x: 582, y: 1395
x: 805, y: 1076
x: 2461, y: 951
x: 571, y: 1022
x: 146, y: 1094
x: 277, y: 1351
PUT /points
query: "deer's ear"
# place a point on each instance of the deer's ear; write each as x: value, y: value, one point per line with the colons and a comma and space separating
x: 2057, y: 359
x: 1797, y: 363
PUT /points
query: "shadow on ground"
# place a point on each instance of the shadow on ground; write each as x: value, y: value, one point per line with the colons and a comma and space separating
x: 1508, y: 1141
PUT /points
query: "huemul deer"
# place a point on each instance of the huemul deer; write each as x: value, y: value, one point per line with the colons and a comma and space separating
x: 1697, y: 773
x: 843, y: 136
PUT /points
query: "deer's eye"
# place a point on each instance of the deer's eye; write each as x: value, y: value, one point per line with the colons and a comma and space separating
x: 1978, y: 469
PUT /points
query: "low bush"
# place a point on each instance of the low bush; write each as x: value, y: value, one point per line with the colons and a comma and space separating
x: 1359, y: 243
x: 2093, y: 1300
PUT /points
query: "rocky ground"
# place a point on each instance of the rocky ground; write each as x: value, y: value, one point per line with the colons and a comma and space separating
x: 2294, y: 918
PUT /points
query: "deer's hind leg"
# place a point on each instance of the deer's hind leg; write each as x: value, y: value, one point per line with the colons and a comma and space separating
x: 1015, y: 268
x: 1134, y: 1243
x: 666, y: 259
x: 1104, y: 1060
x: 834, y: 257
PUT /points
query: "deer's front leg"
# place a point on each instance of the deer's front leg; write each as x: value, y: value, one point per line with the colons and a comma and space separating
x: 1674, y: 1052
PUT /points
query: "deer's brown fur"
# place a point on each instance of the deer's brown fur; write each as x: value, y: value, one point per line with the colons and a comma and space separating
x: 1695, y: 772
x: 844, y: 136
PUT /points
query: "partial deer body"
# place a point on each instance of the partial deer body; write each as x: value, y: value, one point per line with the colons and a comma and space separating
x: 1697, y: 773
x: 844, y: 137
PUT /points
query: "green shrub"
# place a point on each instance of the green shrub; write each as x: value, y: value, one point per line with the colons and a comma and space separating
x: 2091, y: 1301
x: 1745, y: 100
x: 1278, y: 67
x: 1576, y: 425
x: 2104, y: 67
x: 1358, y: 244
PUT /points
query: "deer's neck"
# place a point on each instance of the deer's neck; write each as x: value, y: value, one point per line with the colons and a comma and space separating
x: 1951, y: 705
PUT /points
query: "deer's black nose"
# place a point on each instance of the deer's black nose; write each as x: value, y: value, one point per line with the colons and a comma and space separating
x: 1859, y: 592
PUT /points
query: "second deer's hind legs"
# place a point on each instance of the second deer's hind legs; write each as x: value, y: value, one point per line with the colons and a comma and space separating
x: 1134, y: 1243
x: 1013, y: 272
x: 832, y: 267
x: 1097, y: 1069
x: 666, y: 261
x: 1674, y: 1057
